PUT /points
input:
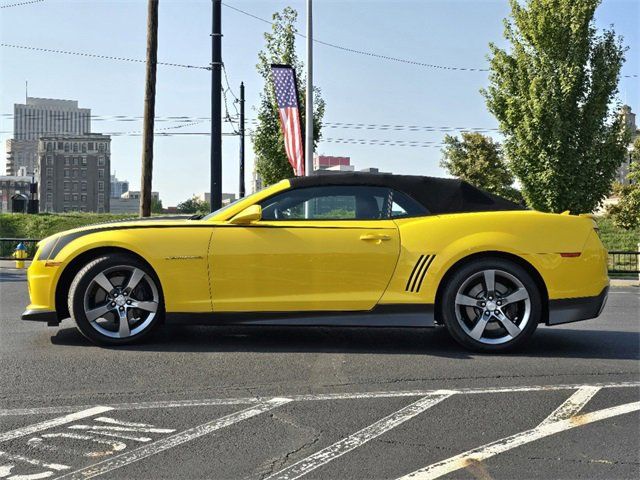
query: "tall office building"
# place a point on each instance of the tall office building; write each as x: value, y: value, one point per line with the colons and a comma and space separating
x: 74, y: 173
x: 40, y: 117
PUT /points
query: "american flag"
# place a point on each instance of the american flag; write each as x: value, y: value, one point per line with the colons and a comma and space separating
x: 284, y: 81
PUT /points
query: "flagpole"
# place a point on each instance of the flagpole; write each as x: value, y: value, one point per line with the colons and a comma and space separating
x: 308, y: 142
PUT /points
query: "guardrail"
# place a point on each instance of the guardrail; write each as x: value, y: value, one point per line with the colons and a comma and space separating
x: 620, y: 263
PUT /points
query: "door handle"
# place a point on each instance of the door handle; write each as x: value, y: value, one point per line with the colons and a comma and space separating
x: 375, y: 237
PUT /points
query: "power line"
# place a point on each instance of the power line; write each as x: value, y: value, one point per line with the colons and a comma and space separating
x: 105, y: 57
x: 377, y: 55
x: 20, y: 4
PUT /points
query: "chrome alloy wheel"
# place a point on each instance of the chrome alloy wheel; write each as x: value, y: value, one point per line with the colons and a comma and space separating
x: 493, y: 307
x: 121, y: 301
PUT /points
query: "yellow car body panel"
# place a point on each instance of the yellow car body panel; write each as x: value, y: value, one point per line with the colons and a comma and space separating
x: 214, y: 265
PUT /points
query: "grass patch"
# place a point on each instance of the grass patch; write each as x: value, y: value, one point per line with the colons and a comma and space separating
x: 616, y: 238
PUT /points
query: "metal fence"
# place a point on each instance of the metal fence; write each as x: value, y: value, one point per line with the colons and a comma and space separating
x: 621, y: 263
x: 624, y: 263
x: 8, y: 247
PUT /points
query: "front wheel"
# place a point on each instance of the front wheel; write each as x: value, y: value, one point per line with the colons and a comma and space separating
x: 491, y: 305
x: 115, y: 299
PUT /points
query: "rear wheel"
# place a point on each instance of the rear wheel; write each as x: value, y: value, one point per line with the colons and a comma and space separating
x: 115, y: 299
x: 491, y: 305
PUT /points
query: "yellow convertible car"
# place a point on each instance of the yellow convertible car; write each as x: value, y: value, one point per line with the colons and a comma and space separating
x: 348, y: 249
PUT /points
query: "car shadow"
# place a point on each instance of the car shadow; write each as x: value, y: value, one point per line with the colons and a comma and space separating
x: 546, y: 343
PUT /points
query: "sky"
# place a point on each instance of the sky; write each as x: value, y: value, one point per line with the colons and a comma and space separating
x: 356, y: 88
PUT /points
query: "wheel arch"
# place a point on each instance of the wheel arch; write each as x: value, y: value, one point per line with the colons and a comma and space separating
x: 71, y: 270
x: 535, y: 274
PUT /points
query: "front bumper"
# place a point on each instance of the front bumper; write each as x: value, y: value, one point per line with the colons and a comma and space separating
x: 575, y: 309
x: 49, y: 316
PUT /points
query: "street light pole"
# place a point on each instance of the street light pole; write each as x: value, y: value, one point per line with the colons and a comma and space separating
x: 308, y: 143
x: 216, y: 106
x: 241, y: 192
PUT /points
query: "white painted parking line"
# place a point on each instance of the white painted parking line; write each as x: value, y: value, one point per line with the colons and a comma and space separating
x: 158, y: 446
x: 55, y: 422
x: 310, y: 397
x: 359, y: 438
x: 479, y: 454
x: 572, y: 405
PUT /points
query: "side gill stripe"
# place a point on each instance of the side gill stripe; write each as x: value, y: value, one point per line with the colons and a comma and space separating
x: 415, y: 267
x: 424, y: 272
x: 420, y: 267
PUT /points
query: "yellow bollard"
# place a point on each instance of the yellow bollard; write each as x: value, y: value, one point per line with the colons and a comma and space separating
x: 20, y: 254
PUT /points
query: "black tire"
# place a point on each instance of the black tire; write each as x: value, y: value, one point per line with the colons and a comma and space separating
x: 117, y: 265
x: 459, y: 319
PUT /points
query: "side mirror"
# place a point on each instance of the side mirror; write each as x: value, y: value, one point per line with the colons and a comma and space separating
x: 248, y: 215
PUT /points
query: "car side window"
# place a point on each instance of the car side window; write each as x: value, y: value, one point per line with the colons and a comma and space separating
x: 339, y: 202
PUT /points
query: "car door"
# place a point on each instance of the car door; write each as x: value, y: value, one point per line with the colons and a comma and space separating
x: 315, y: 249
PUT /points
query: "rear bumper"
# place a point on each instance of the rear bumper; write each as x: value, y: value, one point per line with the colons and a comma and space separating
x: 49, y: 316
x: 575, y: 309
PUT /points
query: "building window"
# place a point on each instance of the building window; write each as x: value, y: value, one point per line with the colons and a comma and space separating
x: 66, y: 197
x: 66, y: 146
x: 84, y: 147
x: 101, y: 173
x: 67, y: 161
x: 101, y: 186
x: 83, y: 186
x: 91, y: 147
x: 75, y: 173
x: 101, y: 147
x: 66, y: 173
x: 49, y: 184
x: 83, y: 198
x: 49, y: 159
x: 101, y: 198
x: 49, y: 146
x: 60, y: 146
x: 66, y: 185
x: 49, y: 172
x: 83, y: 173
x: 75, y: 197
x: 75, y: 147
x: 75, y: 186
x: 84, y: 159
x: 75, y: 160
x: 49, y: 197
x: 101, y: 161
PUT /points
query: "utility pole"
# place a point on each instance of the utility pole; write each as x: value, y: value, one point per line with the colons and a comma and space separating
x: 241, y: 193
x: 308, y: 142
x: 149, y: 108
x: 216, y: 105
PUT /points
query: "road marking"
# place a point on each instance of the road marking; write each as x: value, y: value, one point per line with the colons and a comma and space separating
x: 572, y: 405
x: 38, y: 463
x: 311, y: 397
x: 479, y: 454
x: 359, y: 438
x: 56, y: 422
x: 166, y: 443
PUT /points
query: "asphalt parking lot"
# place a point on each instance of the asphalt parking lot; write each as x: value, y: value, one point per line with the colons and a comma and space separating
x: 285, y: 403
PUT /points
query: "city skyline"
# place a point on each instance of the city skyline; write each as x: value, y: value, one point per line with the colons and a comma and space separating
x: 379, y: 92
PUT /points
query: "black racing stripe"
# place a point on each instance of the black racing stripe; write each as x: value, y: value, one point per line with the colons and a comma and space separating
x: 46, y: 249
x: 64, y: 240
x: 417, y: 275
x: 415, y: 267
x: 424, y: 272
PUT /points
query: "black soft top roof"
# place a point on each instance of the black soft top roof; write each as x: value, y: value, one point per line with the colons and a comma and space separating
x: 438, y: 195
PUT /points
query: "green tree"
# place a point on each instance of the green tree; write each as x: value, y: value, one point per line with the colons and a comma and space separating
x: 193, y: 205
x: 479, y: 160
x: 156, y: 205
x: 626, y: 213
x: 268, y: 143
x: 552, y: 94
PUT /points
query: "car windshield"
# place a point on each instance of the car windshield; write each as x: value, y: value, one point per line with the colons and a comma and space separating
x: 226, y: 207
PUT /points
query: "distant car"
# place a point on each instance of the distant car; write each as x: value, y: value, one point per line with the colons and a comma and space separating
x: 348, y: 249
